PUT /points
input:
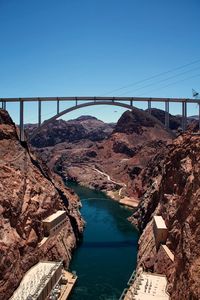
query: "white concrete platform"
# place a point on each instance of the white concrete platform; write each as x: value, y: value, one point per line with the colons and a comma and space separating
x: 148, y: 286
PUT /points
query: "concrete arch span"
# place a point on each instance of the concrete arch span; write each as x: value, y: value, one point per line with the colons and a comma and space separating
x: 68, y: 110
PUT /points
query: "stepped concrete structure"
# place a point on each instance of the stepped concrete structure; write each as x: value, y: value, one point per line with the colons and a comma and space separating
x: 39, y: 281
x: 146, y: 286
x: 45, y: 280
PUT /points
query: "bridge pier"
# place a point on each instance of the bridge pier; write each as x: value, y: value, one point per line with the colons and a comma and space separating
x: 149, y: 106
x: 21, y: 123
x: 39, y: 112
x: 76, y: 102
x: 199, y: 116
x: 167, y: 114
x: 4, y: 105
x: 58, y: 106
x: 184, y: 115
x: 131, y: 102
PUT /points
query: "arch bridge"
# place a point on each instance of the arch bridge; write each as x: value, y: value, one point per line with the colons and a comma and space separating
x: 90, y: 101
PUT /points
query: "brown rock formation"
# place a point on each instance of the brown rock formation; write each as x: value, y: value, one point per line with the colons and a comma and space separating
x: 114, y: 163
x: 28, y: 194
x: 175, y: 122
x: 59, y: 131
x: 174, y: 193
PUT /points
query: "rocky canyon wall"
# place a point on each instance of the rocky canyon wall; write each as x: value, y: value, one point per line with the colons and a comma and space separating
x: 28, y: 194
x: 172, y: 190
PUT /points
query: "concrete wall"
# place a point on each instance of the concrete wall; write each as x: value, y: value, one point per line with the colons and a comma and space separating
x: 160, y: 231
x: 51, y: 226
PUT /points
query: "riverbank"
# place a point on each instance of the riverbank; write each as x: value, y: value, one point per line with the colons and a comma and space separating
x: 107, y: 255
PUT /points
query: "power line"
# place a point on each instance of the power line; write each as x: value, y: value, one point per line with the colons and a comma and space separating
x: 152, y: 77
x: 173, y: 83
x: 162, y: 80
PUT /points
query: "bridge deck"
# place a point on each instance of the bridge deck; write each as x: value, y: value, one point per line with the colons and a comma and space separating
x: 84, y: 98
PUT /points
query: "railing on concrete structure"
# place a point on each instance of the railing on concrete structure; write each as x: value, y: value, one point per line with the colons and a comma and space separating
x: 118, y: 101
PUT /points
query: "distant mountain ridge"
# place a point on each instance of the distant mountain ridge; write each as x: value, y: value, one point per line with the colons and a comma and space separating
x: 59, y: 131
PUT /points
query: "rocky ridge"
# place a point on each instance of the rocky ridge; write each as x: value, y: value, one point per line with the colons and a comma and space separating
x: 59, y: 131
x: 30, y: 193
x: 171, y: 188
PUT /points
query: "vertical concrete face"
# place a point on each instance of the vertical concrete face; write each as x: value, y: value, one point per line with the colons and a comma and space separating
x: 160, y: 231
x: 39, y: 112
x: 21, y: 120
x: 149, y: 107
x: 167, y: 114
x: 199, y: 116
x: 54, y: 222
x: 58, y: 107
x: 4, y: 105
x: 184, y: 115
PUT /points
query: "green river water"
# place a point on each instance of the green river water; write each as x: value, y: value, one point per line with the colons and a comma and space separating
x: 106, y: 257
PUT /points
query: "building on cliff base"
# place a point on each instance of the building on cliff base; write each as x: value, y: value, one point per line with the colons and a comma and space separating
x: 160, y: 230
x: 54, y: 222
x: 45, y: 280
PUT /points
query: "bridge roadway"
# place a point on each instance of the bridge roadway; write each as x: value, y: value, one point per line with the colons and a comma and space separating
x: 89, y: 101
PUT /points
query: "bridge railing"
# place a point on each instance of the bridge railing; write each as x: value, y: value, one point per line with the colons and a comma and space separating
x: 101, y: 100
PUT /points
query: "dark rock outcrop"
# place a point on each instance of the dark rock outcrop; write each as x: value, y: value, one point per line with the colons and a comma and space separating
x: 174, y: 121
x: 133, y: 121
x: 59, y: 131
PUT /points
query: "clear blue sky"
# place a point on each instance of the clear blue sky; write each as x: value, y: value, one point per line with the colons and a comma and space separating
x: 92, y: 47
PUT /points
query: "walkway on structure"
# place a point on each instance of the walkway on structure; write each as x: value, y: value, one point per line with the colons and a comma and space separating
x: 89, y: 101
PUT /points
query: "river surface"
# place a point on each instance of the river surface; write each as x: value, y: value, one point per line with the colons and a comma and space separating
x: 107, y: 255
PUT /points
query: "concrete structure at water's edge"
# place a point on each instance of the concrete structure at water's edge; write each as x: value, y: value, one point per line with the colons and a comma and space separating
x: 146, y: 286
x: 54, y: 222
x: 45, y: 280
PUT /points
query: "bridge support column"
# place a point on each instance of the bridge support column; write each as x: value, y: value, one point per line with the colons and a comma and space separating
x: 167, y: 114
x: 58, y: 106
x: 199, y: 116
x: 131, y: 102
x: 149, y: 106
x: 21, y: 120
x: 184, y: 115
x: 4, y: 105
x: 77, y: 102
x: 39, y: 112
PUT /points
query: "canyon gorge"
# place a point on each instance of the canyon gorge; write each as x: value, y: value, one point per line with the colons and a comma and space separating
x: 136, y: 159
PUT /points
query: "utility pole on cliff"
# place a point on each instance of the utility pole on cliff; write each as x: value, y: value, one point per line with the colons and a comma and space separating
x: 197, y: 96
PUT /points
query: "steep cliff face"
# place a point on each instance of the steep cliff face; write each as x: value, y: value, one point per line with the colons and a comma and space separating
x: 174, y: 193
x: 28, y: 194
